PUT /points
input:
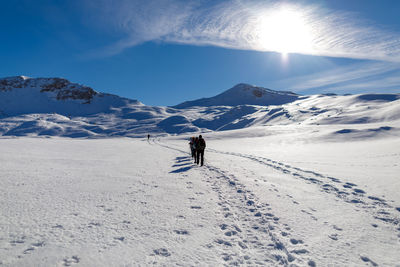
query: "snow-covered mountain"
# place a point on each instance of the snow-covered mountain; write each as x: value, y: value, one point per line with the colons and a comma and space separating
x: 21, y: 95
x: 57, y: 107
x: 244, y: 94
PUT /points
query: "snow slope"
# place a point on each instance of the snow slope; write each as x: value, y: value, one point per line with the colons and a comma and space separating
x: 244, y: 94
x: 22, y: 95
x: 57, y: 107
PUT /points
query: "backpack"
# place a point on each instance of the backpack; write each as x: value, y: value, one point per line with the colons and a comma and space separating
x: 202, y: 144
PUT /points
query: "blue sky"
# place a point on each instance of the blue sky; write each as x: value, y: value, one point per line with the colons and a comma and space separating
x: 165, y: 52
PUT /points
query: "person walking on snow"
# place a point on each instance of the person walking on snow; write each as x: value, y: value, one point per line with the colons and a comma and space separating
x: 200, y: 147
x: 191, y: 145
x: 195, y: 145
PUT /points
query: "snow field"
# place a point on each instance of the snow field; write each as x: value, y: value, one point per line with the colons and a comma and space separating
x: 102, y: 203
x: 259, y: 200
x: 337, y: 202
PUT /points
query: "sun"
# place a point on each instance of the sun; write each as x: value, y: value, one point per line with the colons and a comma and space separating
x: 284, y: 30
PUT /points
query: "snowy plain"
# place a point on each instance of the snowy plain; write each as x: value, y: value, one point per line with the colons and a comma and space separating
x: 266, y: 196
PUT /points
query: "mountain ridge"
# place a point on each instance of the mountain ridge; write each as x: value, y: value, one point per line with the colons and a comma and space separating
x: 57, y: 107
x: 22, y: 95
x: 244, y: 94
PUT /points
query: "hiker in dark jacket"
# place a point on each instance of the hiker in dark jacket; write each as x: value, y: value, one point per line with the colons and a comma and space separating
x: 195, y: 146
x: 192, y: 149
x: 200, y: 147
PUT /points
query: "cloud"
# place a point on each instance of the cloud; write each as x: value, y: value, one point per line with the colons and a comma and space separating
x: 250, y: 25
x: 136, y: 21
x: 364, y: 76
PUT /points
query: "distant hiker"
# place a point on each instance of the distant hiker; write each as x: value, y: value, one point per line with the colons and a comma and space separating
x: 200, y: 147
x: 195, y: 145
x: 148, y: 137
x: 192, y: 148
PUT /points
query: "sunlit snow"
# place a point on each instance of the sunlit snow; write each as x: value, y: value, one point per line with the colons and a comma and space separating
x: 288, y: 179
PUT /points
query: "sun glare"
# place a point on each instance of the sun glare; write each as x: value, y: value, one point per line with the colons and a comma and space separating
x: 284, y: 30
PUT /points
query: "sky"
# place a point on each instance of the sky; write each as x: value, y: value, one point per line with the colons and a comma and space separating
x: 164, y: 52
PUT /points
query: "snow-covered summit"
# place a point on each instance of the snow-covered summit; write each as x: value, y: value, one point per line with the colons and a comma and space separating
x: 63, y: 88
x: 244, y: 94
x: 21, y: 95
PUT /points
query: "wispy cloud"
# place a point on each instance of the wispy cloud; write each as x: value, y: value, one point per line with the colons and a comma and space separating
x: 245, y: 25
x: 358, y: 77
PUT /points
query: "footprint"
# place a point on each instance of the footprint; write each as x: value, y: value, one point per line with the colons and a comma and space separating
x: 334, y: 179
x: 366, y: 259
x: 377, y: 199
x: 29, y: 250
x: 72, y: 260
x: 242, y: 245
x: 300, y: 251
x: 337, y: 228
x: 311, y: 263
x: 230, y: 233
x: 17, y: 241
x: 223, y: 226
x: 181, y: 232
x: 383, y: 212
x: 223, y: 242
x: 296, y: 241
x: 237, y: 228
x: 226, y: 257
x: 91, y: 224
x: 250, y: 203
x: 38, y: 244
x: 306, y: 212
x: 162, y: 252
x: 333, y: 237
